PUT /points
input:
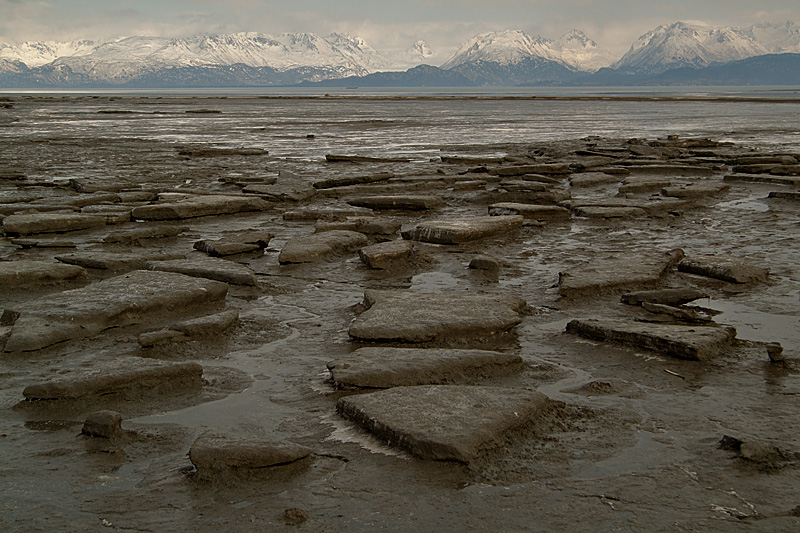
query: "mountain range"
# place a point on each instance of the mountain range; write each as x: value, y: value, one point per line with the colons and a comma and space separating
x: 679, y: 53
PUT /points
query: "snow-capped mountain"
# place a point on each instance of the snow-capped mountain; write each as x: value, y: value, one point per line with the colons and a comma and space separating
x: 698, y: 45
x: 573, y: 50
x: 128, y: 58
x: 36, y: 54
x: 419, y: 53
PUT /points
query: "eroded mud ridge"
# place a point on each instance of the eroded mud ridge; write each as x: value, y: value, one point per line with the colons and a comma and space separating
x: 592, y: 334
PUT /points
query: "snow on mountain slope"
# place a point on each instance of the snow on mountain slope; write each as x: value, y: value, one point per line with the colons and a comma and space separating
x: 36, y: 54
x: 685, y: 44
x: 577, y: 50
x: 130, y: 57
x: 778, y: 38
x: 573, y: 50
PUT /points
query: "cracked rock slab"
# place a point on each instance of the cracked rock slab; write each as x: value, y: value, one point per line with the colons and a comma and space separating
x: 696, y: 343
x: 249, y: 241
x: 382, y: 368
x: 104, y: 260
x: 406, y: 316
x: 444, y: 422
x: 619, y: 272
x: 139, y: 297
x: 321, y: 246
x: 460, y: 230
x: 398, y: 202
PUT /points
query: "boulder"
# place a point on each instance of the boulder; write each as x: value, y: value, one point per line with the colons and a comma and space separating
x: 139, y: 297
x: 22, y: 274
x: 321, y: 246
x: 36, y: 223
x: 142, y: 377
x: 387, y: 254
x: 444, y: 422
x: 381, y: 368
x: 460, y: 230
x: 541, y: 213
x: 724, y: 267
x: 407, y: 316
x: 198, y: 206
x: 215, y: 453
x: 618, y: 272
x: 207, y: 267
x: 416, y: 202
x: 697, y: 343
x: 248, y: 241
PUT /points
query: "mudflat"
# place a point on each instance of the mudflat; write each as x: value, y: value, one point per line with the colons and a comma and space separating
x: 584, y: 334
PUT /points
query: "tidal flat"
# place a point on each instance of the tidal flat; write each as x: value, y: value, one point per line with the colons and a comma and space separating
x: 371, y: 314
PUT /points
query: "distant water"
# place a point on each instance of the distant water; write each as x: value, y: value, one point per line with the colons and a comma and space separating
x: 410, y: 122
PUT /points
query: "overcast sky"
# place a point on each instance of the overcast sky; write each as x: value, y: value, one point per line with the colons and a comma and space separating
x: 388, y: 26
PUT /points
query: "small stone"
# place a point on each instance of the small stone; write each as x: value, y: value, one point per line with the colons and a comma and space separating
x: 486, y: 263
x: 294, y: 516
x: 386, y: 254
x: 775, y: 352
x: 105, y: 424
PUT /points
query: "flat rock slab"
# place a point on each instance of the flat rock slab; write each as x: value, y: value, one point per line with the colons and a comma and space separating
x: 460, y: 230
x: 541, y: 213
x: 654, y: 206
x: 386, y: 254
x: 444, y: 422
x: 22, y: 274
x: 321, y: 246
x: 138, y: 297
x: 542, y: 168
x: 145, y: 375
x: 135, y: 236
x: 592, y: 179
x: 609, y: 212
x: 346, y: 181
x: 114, y: 260
x: 663, y: 296
x: 643, y: 184
x: 382, y: 368
x: 405, y: 316
x: 622, y: 271
x: 36, y: 223
x: 416, y: 202
x: 724, y: 267
x: 696, y: 343
x: 207, y: 267
x: 197, y: 328
x: 215, y: 453
x: 367, y: 225
x: 696, y: 190
x: 199, y: 206
x: 295, y: 191
x: 312, y: 214
x: 248, y: 241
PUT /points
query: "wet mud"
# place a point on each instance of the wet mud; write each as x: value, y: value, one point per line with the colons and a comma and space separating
x: 626, y: 435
